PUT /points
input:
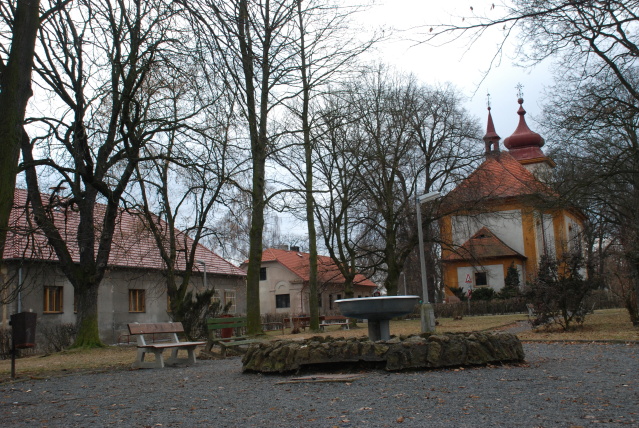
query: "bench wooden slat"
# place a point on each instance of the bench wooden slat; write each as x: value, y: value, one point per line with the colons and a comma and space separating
x: 172, y: 345
x: 160, y: 327
x: 220, y: 325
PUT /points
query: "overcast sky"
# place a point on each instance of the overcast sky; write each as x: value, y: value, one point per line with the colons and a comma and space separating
x: 462, y: 64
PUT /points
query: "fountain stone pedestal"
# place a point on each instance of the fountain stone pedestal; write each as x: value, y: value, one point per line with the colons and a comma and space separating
x: 378, y: 311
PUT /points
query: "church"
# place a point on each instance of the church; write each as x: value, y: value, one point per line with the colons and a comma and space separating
x: 504, y: 214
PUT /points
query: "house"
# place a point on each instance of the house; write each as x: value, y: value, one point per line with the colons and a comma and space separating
x: 284, y: 283
x: 133, y: 288
x: 504, y: 214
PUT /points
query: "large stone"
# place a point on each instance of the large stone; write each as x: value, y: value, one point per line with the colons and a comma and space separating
x: 412, y: 352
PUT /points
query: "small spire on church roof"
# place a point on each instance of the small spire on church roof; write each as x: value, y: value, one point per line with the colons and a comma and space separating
x: 491, y: 138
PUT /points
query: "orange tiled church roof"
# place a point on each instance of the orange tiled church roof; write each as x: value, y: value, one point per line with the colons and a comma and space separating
x: 499, y: 176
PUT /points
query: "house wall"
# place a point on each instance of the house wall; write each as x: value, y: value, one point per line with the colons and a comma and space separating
x: 113, y: 297
x: 280, y: 280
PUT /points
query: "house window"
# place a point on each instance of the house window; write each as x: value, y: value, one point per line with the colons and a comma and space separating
x: 263, y: 274
x: 229, y: 299
x: 137, y: 302
x: 282, y: 301
x: 319, y: 300
x: 216, y: 297
x: 52, y: 300
x: 480, y: 279
x: 330, y: 301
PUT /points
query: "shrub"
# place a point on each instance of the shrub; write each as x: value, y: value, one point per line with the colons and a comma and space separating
x: 57, y: 337
x: 511, y: 284
x: 194, y: 311
x: 559, y: 294
x: 483, y: 293
x: 459, y: 292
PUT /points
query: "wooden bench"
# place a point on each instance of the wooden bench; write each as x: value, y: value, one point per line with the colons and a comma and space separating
x: 170, y: 329
x: 297, y: 322
x: 334, y: 320
x: 236, y: 327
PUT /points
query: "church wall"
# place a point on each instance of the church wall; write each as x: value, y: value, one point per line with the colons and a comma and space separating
x: 494, y: 275
x: 545, y: 234
x: 506, y: 225
x: 456, y: 274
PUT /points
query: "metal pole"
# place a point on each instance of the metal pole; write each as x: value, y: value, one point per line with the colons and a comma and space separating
x: 422, y: 261
x: 427, y: 312
x: 203, y: 263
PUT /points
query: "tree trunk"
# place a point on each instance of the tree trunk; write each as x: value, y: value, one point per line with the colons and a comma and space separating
x: 313, y: 304
x: 15, y: 91
x: 88, y: 333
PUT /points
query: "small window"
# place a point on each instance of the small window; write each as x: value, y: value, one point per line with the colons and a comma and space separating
x: 137, y: 301
x: 53, y: 300
x: 282, y: 301
x: 319, y: 300
x: 330, y: 301
x: 263, y: 274
x: 229, y: 299
x: 480, y: 279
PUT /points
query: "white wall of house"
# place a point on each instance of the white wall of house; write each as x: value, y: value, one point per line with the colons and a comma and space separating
x: 506, y: 225
x: 113, y: 297
x: 281, y: 281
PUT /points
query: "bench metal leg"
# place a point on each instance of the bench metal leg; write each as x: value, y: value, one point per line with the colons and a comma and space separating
x: 189, y: 360
x: 141, y: 364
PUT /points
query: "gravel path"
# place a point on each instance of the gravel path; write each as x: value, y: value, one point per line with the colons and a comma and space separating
x: 560, y: 386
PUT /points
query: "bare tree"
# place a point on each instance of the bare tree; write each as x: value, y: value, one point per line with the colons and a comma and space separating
x: 186, y: 175
x: 415, y: 139
x: 20, y: 20
x: 94, y: 64
x: 256, y: 40
x: 597, y: 127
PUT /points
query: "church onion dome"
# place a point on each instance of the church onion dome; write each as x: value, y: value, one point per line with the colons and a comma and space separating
x: 524, y: 144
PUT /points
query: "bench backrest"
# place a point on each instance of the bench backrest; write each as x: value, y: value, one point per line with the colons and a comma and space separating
x: 229, y: 322
x: 156, y: 328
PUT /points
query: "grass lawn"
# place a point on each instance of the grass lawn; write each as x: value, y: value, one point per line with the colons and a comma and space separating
x: 609, y: 324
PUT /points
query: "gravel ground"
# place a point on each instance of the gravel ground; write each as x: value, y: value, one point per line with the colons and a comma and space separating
x: 561, y: 385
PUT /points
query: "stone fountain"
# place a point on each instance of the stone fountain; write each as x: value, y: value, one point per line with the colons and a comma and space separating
x: 425, y: 351
x: 378, y: 311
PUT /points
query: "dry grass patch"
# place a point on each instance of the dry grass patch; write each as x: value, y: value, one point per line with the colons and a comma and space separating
x: 605, y: 324
x: 408, y: 327
x: 70, y: 361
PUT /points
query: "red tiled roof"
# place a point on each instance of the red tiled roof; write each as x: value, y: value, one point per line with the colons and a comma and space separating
x: 299, y: 264
x: 499, y: 176
x: 133, y: 244
x: 482, y: 245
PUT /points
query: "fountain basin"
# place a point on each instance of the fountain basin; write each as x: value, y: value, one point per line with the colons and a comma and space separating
x: 377, y: 308
x: 378, y: 311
